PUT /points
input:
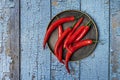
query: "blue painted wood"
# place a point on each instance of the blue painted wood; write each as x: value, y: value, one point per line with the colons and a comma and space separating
x: 96, y: 66
x: 9, y: 40
x: 39, y: 64
x: 115, y: 39
x: 35, y: 62
x: 43, y: 55
x: 58, y: 71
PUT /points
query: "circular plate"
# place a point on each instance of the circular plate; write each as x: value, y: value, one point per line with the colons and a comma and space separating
x: 92, y: 34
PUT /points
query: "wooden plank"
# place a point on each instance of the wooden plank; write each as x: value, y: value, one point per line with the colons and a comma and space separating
x: 115, y: 39
x: 58, y: 71
x: 96, y: 66
x: 35, y: 62
x: 9, y: 40
x: 43, y: 55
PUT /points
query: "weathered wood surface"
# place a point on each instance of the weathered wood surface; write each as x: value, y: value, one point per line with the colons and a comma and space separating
x: 96, y: 66
x: 58, y: 71
x: 38, y: 64
x: 9, y: 40
x: 115, y: 39
x: 35, y: 62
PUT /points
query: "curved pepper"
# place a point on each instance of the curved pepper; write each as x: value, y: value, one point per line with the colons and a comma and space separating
x: 73, y: 30
x: 60, y: 41
x: 75, y: 48
x: 60, y: 50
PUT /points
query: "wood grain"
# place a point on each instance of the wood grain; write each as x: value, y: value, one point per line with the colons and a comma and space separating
x: 43, y: 55
x: 9, y: 40
x: 39, y: 64
x: 35, y: 62
x: 96, y: 67
x: 58, y: 71
x: 115, y: 40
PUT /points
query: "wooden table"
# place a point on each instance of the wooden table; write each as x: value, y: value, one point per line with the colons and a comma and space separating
x: 22, y: 27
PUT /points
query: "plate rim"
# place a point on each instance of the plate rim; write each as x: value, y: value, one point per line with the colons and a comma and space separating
x: 95, y: 26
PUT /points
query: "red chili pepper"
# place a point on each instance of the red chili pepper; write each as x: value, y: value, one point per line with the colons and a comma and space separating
x: 73, y: 30
x: 75, y: 48
x: 60, y: 50
x: 83, y: 33
x: 79, y: 34
x: 60, y: 30
x: 60, y: 41
x: 73, y: 37
x: 77, y: 24
x: 54, y: 25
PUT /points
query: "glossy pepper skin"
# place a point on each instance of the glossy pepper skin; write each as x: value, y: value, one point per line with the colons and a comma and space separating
x: 60, y: 30
x: 83, y: 33
x: 73, y: 30
x: 73, y: 37
x: 61, y: 40
x: 54, y: 25
x: 75, y: 48
x: 60, y: 50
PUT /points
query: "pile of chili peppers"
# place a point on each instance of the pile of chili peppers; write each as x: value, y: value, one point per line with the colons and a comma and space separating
x: 70, y: 38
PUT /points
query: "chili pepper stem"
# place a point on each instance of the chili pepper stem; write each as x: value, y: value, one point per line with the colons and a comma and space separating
x: 95, y: 41
x: 89, y: 24
x: 74, y: 23
x: 77, y: 17
x: 71, y: 27
x: 57, y: 17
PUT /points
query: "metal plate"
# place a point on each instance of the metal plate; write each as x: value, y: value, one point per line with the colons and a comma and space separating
x: 92, y: 34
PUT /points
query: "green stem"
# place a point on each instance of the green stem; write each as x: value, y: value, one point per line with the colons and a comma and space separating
x: 88, y: 24
x: 74, y: 23
x: 57, y: 17
x: 95, y: 41
x: 78, y: 17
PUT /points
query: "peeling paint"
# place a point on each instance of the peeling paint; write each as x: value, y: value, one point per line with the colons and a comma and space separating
x: 6, y: 76
x: 115, y: 78
x: 111, y: 50
x: 102, y: 42
x: 116, y: 19
x: 60, y: 0
x: 115, y: 42
x: 7, y: 62
x: 7, y: 4
x: 1, y: 45
x: 115, y: 62
x: 93, y: 55
x: 107, y: 2
x: 54, y: 3
x: 5, y: 69
x: 118, y: 31
x: 8, y: 51
x: 33, y: 77
x: 5, y: 59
